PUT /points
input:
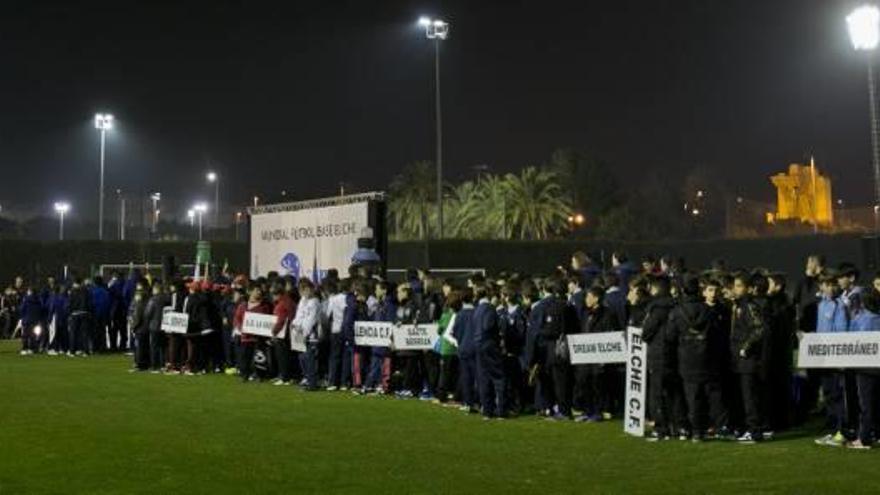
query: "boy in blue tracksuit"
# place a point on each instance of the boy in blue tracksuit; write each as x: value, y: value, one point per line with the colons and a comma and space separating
x: 59, y: 312
x: 490, y: 371
x: 31, y: 312
x: 833, y: 317
x: 463, y: 333
x: 867, y: 380
x: 379, y: 377
x: 512, y: 320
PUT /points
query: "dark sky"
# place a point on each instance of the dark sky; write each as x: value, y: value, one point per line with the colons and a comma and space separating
x: 303, y: 95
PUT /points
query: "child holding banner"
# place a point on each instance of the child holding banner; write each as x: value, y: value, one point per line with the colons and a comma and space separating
x: 832, y: 316
x: 379, y: 378
x: 254, y: 304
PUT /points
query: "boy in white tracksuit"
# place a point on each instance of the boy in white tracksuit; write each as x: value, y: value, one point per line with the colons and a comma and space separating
x: 308, y: 322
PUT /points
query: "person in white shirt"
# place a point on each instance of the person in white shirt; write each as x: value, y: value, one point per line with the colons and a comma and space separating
x: 339, y: 365
x: 308, y: 322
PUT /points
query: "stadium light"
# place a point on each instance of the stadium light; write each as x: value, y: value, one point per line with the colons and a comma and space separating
x: 213, y: 178
x: 863, y: 25
x: 104, y: 123
x: 61, y: 208
x: 200, y: 209
x: 437, y: 30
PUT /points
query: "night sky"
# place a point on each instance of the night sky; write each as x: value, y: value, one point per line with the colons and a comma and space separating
x: 304, y: 95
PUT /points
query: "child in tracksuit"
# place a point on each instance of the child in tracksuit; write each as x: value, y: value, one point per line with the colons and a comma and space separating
x: 490, y: 373
x: 868, y: 379
x: 31, y: 312
x: 832, y: 317
x: 379, y: 379
x: 59, y: 312
x: 463, y: 333
x: 512, y: 320
x: 359, y: 357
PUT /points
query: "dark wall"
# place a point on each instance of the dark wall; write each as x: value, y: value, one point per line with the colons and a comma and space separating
x: 36, y: 259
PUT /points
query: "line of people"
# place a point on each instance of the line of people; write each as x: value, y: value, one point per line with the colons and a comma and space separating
x: 720, y: 343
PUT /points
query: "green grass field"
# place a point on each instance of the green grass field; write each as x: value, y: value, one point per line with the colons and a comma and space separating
x: 75, y: 425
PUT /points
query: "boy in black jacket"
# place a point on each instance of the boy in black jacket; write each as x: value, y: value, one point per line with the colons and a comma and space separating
x: 662, y: 371
x: 748, y: 330
x: 693, y: 322
x: 590, y: 389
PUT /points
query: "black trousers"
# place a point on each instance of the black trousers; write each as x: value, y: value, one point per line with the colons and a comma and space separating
x: 157, y: 350
x: 589, y: 388
x: 516, y: 382
x: 666, y: 401
x: 752, y: 393
x: 246, y: 360
x: 281, y: 350
x: 869, y: 386
x: 142, y: 354
x: 556, y: 377
x: 705, y: 402
x: 491, y: 383
x: 448, y: 377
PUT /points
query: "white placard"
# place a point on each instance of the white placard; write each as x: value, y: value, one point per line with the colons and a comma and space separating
x: 174, y: 322
x: 636, y: 383
x: 373, y: 333
x: 597, y: 348
x: 307, y: 242
x: 260, y: 324
x: 839, y: 350
x: 297, y: 340
x: 421, y: 337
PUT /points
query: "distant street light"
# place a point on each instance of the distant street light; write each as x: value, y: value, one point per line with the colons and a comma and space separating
x: 200, y: 210
x: 437, y: 30
x: 213, y: 178
x: 155, y: 197
x: 61, y: 208
x: 191, y: 214
x: 864, y: 32
x: 104, y: 123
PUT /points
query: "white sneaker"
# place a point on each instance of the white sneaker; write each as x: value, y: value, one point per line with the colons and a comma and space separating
x: 23, y: 352
x: 52, y: 352
x: 331, y: 388
x: 279, y: 382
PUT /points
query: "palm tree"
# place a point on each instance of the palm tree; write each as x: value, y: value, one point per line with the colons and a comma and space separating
x: 535, y: 203
x: 476, y: 208
x: 411, y: 205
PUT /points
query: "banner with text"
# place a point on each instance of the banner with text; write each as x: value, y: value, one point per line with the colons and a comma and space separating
x: 308, y: 242
x: 297, y: 339
x: 839, y: 350
x: 261, y: 325
x: 636, y: 383
x: 174, y: 322
x: 373, y: 333
x: 597, y: 348
x: 420, y: 337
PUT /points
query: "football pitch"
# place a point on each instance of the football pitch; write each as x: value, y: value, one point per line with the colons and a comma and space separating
x: 86, y: 425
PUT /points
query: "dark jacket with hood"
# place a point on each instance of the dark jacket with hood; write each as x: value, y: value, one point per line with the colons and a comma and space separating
x: 658, y: 335
x: 692, y: 322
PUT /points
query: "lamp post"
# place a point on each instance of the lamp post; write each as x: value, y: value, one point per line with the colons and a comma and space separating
x: 213, y: 178
x: 155, y: 197
x: 103, y: 122
x: 200, y: 210
x: 191, y: 214
x: 61, y: 208
x: 437, y: 30
x: 864, y: 32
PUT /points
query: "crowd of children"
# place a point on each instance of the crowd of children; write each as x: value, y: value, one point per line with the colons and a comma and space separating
x: 720, y: 343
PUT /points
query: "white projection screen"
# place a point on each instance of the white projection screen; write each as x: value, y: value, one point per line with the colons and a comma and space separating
x: 308, y: 238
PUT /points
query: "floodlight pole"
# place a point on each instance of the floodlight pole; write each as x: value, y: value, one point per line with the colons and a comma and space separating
x: 101, y: 191
x: 875, y: 137
x: 439, y: 125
